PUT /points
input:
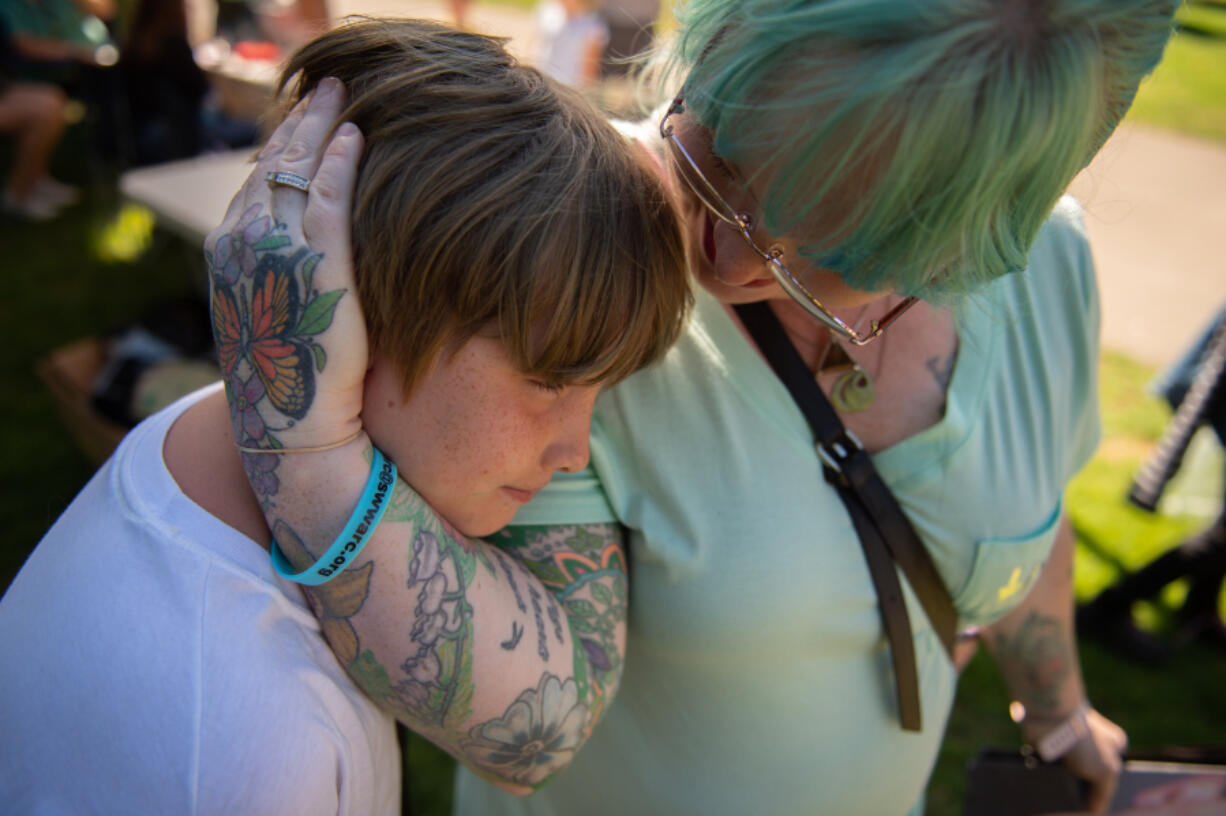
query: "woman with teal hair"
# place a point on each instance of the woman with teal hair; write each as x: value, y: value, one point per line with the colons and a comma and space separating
x: 882, y: 180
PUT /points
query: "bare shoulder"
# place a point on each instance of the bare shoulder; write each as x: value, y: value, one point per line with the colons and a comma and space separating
x: 199, y: 453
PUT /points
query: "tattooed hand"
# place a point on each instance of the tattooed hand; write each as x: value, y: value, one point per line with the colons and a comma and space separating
x: 280, y: 277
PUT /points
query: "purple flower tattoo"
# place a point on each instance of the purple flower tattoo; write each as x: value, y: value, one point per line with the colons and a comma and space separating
x: 248, y: 424
x: 260, y: 467
x: 234, y: 255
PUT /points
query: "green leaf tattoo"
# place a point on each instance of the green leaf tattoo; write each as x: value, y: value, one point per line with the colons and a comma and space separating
x: 271, y: 242
x: 317, y: 316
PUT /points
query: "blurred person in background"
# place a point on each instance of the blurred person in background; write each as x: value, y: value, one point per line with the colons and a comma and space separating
x: 572, y: 38
x: 34, y: 114
x: 164, y: 88
x: 288, y: 25
x: 71, y: 45
x: 459, y: 12
x: 54, y: 39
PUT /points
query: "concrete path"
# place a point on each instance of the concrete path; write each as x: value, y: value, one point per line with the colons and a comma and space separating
x: 1156, y: 213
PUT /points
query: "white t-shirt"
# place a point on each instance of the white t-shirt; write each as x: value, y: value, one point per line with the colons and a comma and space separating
x: 152, y: 663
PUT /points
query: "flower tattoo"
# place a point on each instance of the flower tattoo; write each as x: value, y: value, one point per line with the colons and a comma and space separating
x: 536, y: 736
x: 235, y: 254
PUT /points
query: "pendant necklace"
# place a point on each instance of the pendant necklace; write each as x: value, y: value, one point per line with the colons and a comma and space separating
x: 853, y: 388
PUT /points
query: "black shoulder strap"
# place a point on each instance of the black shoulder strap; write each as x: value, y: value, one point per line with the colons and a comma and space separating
x: 886, y: 535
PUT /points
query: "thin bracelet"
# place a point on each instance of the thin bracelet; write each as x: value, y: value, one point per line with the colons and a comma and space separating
x: 1059, y: 740
x: 353, y: 538
x: 315, y: 449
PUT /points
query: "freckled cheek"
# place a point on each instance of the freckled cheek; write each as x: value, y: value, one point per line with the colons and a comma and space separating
x: 515, y: 445
x: 482, y: 442
x: 508, y: 453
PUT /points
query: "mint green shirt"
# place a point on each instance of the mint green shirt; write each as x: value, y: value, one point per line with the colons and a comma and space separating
x: 757, y: 676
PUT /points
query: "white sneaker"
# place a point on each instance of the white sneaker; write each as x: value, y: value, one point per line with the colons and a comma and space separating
x: 31, y: 208
x: 55, y: 192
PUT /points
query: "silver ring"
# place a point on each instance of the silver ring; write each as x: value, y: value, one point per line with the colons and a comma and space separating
x: 287, y: 179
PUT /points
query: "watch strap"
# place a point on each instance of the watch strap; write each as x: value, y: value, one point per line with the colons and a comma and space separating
x: 1061, y: 739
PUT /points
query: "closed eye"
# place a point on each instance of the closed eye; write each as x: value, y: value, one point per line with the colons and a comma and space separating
x: 548, y: 387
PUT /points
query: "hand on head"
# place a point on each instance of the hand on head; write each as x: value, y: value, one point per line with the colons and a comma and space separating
x: 289, y: 330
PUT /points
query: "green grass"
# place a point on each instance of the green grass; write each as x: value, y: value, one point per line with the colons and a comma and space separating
x: 1113, y: 534
x: 428, y: 774
x: 1203, y: 18
x: 1187, y: 92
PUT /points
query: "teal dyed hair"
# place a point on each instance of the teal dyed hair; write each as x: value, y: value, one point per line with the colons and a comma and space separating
x: 916, y: 145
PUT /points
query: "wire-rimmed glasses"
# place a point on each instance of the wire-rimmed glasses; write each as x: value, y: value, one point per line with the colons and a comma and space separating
x: 743, y: 223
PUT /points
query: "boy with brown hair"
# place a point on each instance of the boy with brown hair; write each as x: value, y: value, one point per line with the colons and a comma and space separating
x: 494, y: 217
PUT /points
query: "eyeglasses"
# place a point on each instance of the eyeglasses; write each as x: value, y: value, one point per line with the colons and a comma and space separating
x: 743, y: 223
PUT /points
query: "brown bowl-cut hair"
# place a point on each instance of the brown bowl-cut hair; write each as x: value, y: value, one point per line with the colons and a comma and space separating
x: 491, y: 199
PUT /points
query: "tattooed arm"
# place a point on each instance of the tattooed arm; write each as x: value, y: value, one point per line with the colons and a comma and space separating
x: 1036, y: 650
x: 505, y: 655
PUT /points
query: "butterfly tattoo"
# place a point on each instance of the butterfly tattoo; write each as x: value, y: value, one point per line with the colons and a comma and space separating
x: 265, y: 320
x: 264, y: 333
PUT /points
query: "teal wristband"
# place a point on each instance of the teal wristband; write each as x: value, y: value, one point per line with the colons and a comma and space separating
x: 357, y: 532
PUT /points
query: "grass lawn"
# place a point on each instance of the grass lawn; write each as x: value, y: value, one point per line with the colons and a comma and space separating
x: 1187, y: 92
x: 61, y: 289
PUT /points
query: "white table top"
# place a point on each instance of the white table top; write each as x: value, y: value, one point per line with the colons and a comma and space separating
x: 189, y: 196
